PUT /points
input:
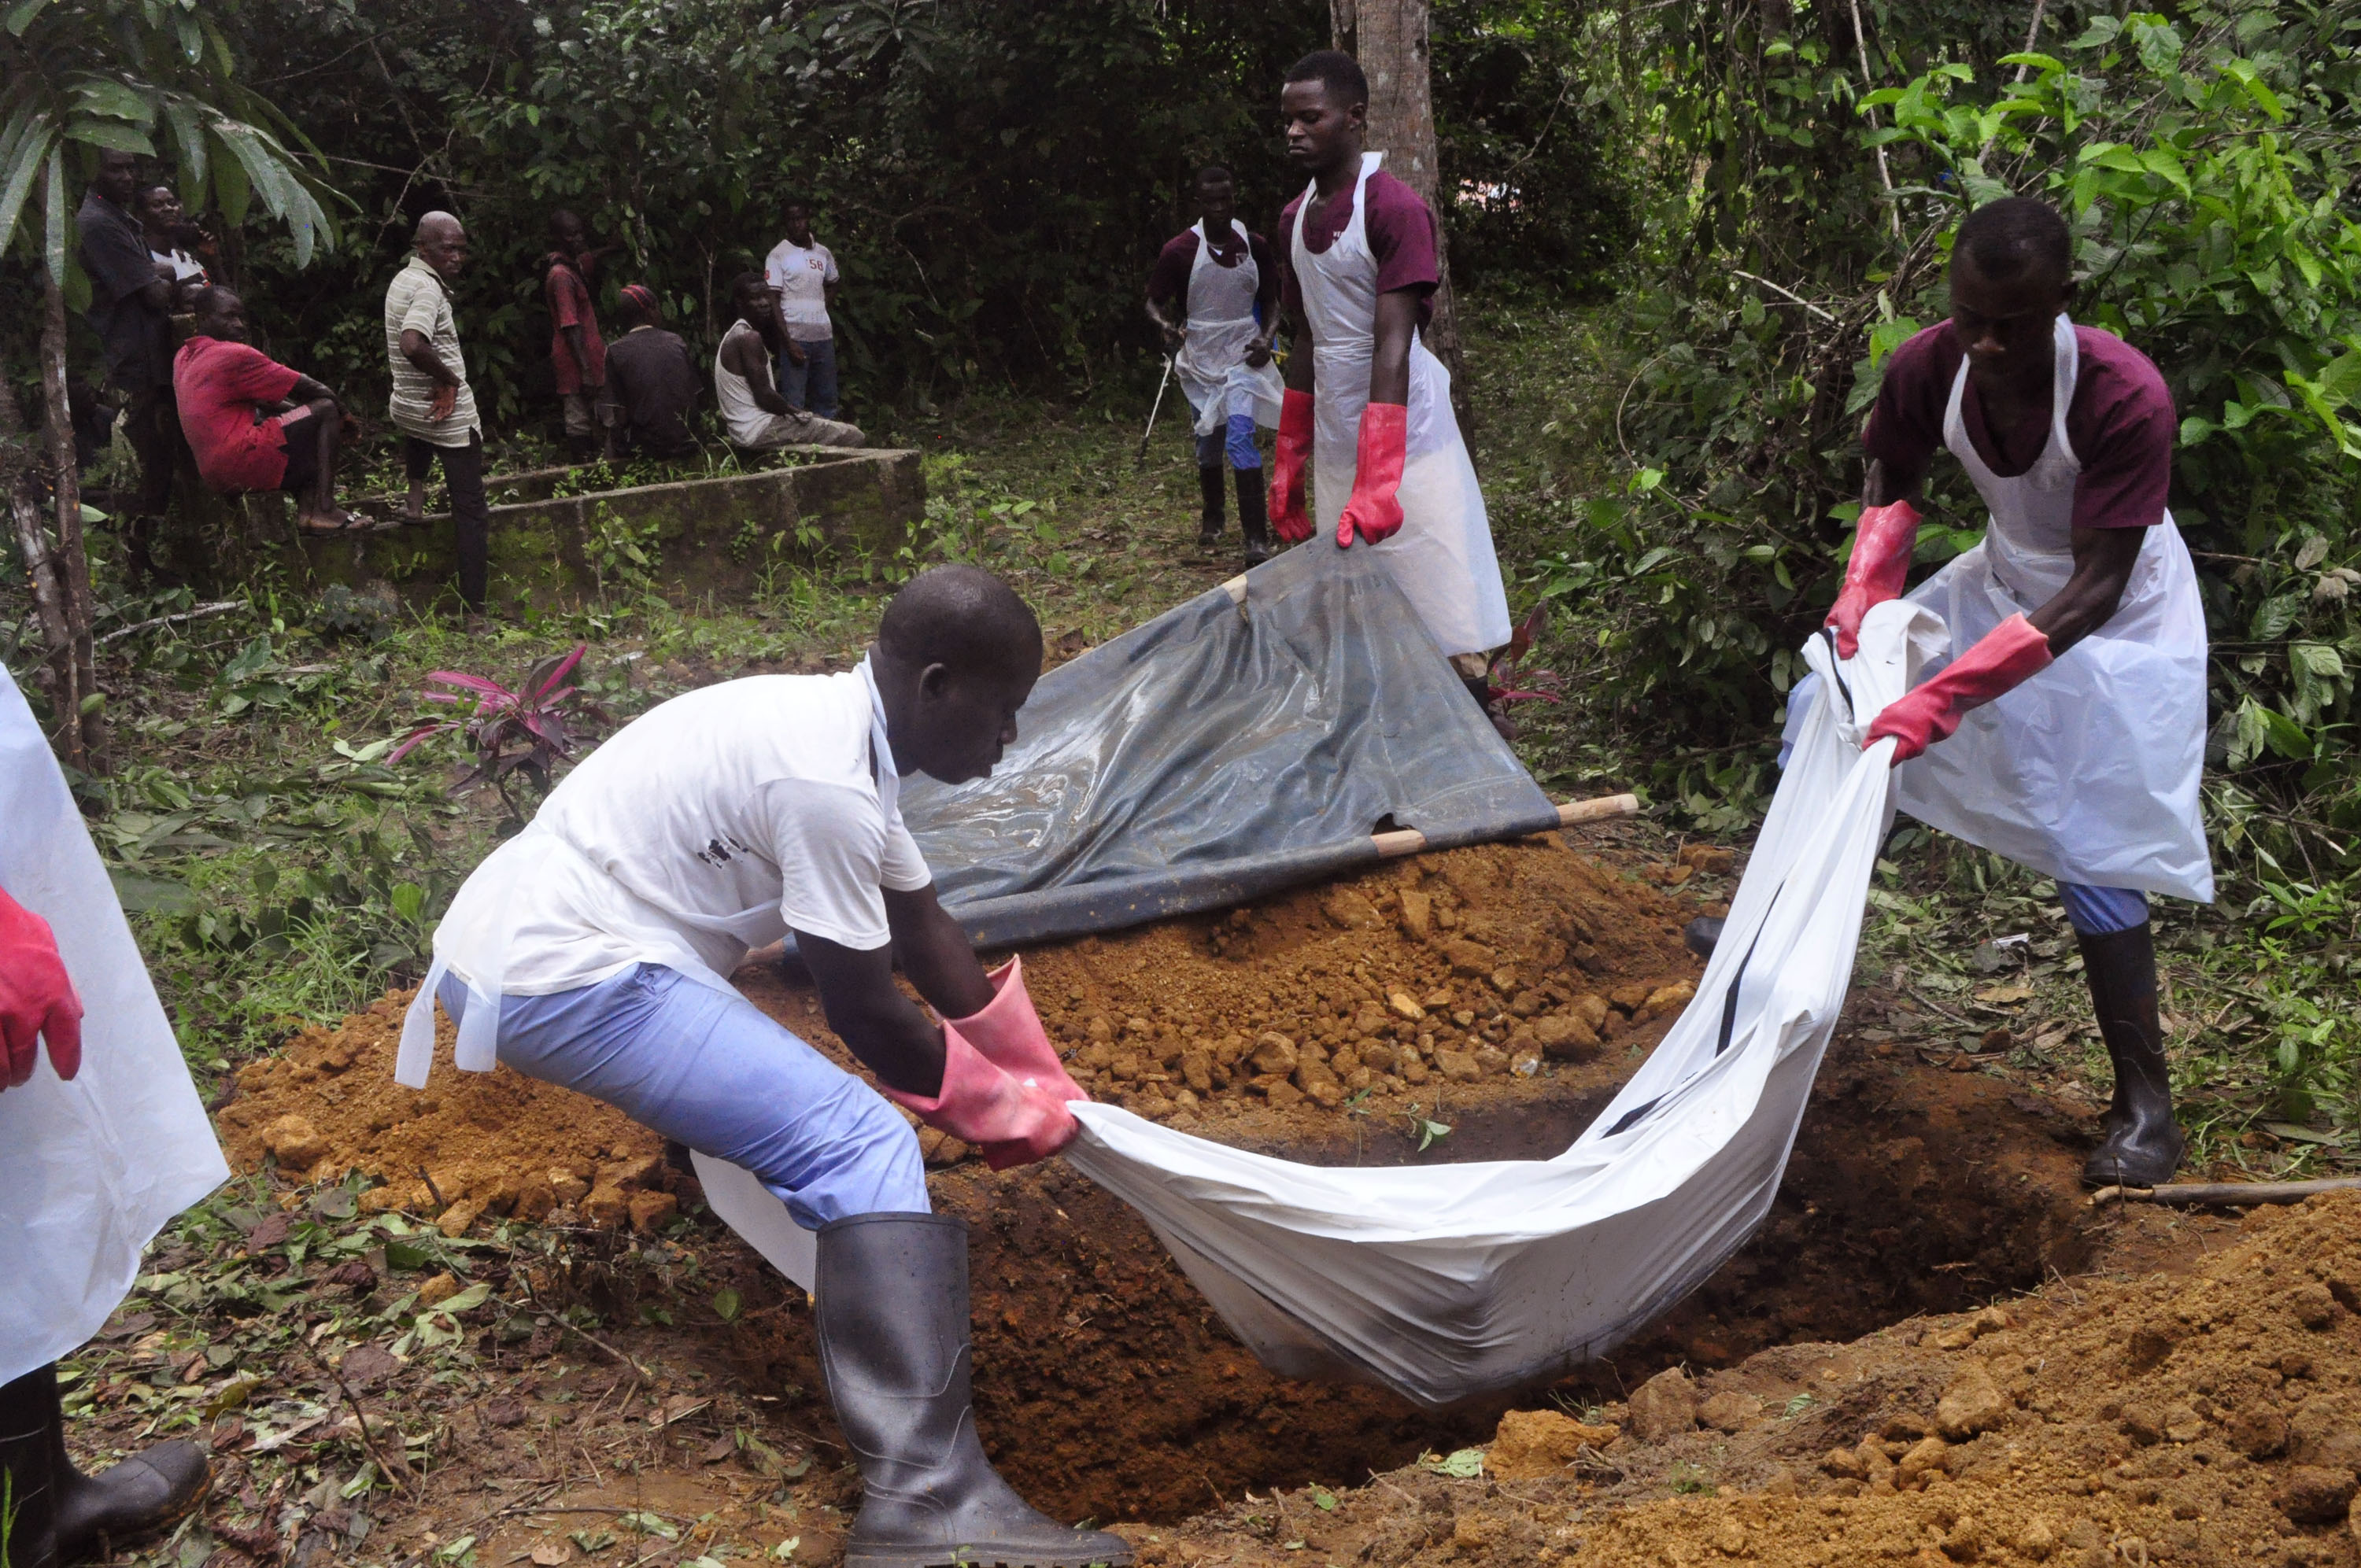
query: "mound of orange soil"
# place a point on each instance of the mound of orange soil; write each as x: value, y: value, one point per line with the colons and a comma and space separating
x: 1478, y: 973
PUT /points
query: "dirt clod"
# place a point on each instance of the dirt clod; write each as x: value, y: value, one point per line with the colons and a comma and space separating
x: 1664, y: 1407
x: 1531, y: 1445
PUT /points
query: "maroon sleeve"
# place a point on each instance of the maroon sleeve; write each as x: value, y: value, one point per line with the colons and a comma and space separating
x: 2122, y: 425
x: 1168, y: 279
x: 1402, y: 235
x: 1291, y: 294
x: 1905, y: 425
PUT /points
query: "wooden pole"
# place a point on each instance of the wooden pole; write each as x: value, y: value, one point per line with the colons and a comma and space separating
x: 2226, y: 1194
x: 1408, y: 841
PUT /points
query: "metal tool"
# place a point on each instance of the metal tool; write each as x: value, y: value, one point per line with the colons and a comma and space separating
x: 1142, y: 459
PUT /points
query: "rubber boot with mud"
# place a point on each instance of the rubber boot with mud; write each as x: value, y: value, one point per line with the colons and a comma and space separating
x: 28, y: 1417
x: 892, y: 1293
x: 2143, y: 1143
x: 1253, y: 520
x: 1702, y: 934
x: 89, y: 1513
x: 1211, y: 523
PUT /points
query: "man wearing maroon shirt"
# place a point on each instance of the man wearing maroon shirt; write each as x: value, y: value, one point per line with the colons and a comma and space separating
x: 1214, y: 293
x: 2071, y: 713
x: 224, y: 389
x: 577, y: 353
x: 1365, y: 404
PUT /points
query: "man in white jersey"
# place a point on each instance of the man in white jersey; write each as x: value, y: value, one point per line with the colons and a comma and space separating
x: 727, y: 819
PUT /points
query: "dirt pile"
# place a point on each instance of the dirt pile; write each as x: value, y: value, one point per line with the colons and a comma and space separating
x: 2213, y: 1416
x: 1475, y: 973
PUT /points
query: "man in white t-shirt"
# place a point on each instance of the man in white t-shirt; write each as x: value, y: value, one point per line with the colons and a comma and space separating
x: 804, y: 272
x: 726, y: 819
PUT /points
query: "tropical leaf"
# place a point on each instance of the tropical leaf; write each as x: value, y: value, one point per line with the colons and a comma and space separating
x: 22, y: 168
x: 113, y: 100
x: 189, y: 137
x: 21, y: 14
x: 112, y: 135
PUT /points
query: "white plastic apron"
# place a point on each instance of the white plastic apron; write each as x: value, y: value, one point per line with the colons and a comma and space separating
x: 2088, y: 772
x: 88, y: 1170
x: 734, y: 1193
x: 1442, y: 559
x: 1211, y: 364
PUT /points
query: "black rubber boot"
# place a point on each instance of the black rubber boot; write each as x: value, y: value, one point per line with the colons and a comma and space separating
x: 1210, y: 525
x: 892, y: 1293
x: 2143, y: 1143
x: 28, y: 1423
x: 1254, y: 520
x: 1702, y: 934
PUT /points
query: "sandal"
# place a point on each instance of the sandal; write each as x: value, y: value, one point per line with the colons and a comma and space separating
x: 342, y: 522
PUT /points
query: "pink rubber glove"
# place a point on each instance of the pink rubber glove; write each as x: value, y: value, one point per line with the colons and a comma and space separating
x: 1288, y: 518
x: 1880, y: 564
x: 37, y: 999
x: 1374, y: 513
x: 1009, y: 1033
x: 1014, y: 1124
x: 2010, y: 653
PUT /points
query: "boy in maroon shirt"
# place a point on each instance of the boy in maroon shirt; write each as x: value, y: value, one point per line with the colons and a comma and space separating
x: 225, y: 389
x: 577, y: 353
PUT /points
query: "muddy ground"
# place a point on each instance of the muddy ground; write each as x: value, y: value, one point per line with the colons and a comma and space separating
x: 559, y: 1357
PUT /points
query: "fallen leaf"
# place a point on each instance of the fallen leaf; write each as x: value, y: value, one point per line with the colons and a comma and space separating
x: 550, y: 1553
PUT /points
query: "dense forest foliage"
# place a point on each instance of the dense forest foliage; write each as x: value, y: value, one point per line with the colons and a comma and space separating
x: 1766, y: 189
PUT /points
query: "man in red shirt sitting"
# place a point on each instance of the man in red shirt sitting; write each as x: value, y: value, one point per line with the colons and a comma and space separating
x: 234, y: 409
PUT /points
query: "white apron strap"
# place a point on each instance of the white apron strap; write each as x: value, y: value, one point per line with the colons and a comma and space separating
x: 478, y: 1047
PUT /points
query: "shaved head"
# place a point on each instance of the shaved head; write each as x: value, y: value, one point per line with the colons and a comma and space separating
x: 436, y: 227
x: 956, y: 654
x: 963, y: 617
x: 442, y: 242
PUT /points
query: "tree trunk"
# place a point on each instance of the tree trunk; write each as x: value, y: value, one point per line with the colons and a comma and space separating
x: 1389, y: 39
x: 81, y: 737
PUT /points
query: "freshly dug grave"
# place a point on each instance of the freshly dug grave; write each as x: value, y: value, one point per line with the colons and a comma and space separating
x: 1479, y: 974
x: 2209, y: 1417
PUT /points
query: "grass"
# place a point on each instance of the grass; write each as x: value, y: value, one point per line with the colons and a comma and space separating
x: 280, y: 871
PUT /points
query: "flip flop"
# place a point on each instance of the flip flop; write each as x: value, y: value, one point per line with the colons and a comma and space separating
x: 345, y: 523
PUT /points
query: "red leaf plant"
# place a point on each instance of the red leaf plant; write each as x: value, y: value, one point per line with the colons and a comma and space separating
x: 525, y: 733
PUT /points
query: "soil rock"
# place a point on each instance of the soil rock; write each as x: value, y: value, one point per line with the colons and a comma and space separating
x: 1565, y: 1037
x: 1468, y: 958
x: 295, y: 1143
x: 1533, y: 1444
x: 2313, y: 1494
x: 1973, y: 1403
x: 1665, y: 1406
x: 1729, y: 1412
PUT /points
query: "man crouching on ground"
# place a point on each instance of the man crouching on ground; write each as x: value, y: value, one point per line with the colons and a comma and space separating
x: 721, y: 821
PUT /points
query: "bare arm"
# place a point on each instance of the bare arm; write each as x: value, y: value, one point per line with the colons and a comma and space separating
x: 935, y: 953
x: 307, y: 390
x: 2104, y: 558
x: 1167, y: 319
x: 418, y: 350
x: 877, y: 1024
x: 1298, y: 374
x: 1396, y: 323
x: 745, y: 355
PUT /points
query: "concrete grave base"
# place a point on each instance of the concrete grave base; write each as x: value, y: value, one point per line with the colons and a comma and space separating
x: 710, y: 540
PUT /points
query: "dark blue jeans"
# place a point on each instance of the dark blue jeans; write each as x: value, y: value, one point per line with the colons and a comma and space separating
x: 810, y: 386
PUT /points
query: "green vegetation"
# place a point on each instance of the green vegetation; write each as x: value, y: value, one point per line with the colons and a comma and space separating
x: 1670, y: 470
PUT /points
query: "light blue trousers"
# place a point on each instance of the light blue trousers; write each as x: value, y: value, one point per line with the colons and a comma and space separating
x: 2091, y: 911
x: 716, y: 1073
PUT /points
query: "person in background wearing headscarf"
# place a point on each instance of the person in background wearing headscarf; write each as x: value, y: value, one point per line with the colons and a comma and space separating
x: 652, y: 383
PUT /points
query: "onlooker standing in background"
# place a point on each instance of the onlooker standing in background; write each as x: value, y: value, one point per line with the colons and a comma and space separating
x: 804, y: 272
x: 173, y: 242
x: 575, y: 350
x: 652, y: 383
x: 129, y: 306
x: 432, y: 404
